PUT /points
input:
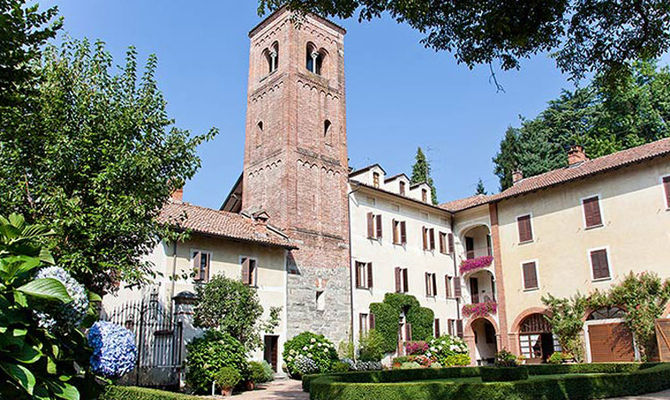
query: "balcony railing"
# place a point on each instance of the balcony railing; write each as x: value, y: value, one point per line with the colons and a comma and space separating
x: 474, y: 264
x: 480, y: 309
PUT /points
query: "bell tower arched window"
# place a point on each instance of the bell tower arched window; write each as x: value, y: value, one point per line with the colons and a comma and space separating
x: 314, y: 59
x: 271, y: 56
x: 259, y: 133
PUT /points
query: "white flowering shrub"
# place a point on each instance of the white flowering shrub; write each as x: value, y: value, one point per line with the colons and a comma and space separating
x: 305, y: 365
x: 449, y: 351
x: 63, y: 316
x: 315, y: 347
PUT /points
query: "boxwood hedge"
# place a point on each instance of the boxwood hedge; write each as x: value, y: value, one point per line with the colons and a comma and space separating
x: 576, y: 382
x: 503, y: 374
x: 138, y: 393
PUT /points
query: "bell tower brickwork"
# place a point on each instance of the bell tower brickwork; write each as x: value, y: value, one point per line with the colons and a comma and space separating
x: 295, y: 162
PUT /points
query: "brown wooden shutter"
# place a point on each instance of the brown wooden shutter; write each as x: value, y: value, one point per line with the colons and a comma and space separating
x: 394, y: 225
x: 447, y: 281
x: 457, y: 287
x: 443, y: 247
x: 425, y: 237
x: 403, y: 233
x: 432, y: 239
x: 358, y: 274
x: 397, y: 279
x: 370, y: 281
x: 450, y: 238
x: 666, y: 186
x: 525, y: 230
x: 437, y: 327
x: 450, y: 327
x: 208, y: 259
x: 529, y: 276
x: 599, y: 264
x: 405, y: 280
x: 433, y: 280
x: 592, y: 212
x: 371, y: 225
x: 427, y: 278
x: 379, y: 226
x: 245, y: 271
x: 372, y: 321
x: 197, y: 261
x: 459, y: 328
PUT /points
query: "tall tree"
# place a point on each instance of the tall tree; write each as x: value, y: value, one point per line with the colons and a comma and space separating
x: 95, y: 162
x: 481, y: 189
x: 583, y: 36
x: 421, y: 173
x: 603, y: 118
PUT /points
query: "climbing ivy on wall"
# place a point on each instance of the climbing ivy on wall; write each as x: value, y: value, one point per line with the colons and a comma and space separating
x: 387, y: 318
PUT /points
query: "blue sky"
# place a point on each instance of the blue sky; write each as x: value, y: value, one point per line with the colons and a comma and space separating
x: 399, y: 94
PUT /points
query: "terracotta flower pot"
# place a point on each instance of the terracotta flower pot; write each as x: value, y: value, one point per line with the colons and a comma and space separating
x: 250, y: 385
x: 227, y: 392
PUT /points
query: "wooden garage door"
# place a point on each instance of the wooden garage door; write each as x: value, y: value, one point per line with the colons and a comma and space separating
x: 611, y: 343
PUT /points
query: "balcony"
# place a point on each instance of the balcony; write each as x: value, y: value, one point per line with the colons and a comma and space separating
x: 475, y: 263
x: 478, y: 310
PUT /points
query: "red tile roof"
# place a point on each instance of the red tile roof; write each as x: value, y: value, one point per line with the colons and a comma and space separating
x: 464, y: 204
x: 221, y: 224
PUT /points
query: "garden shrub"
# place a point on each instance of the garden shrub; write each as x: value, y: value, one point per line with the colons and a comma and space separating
x: 566, y: 319
x: 371, y: 346
x: 410, y: 365
x: 260, y: 372
x: 367, y: 366
x: 448, y: 351
x: 503, y: 374
x: 208, y: 354
x: 504, y: 358
x: 308, y: 346
x: 138, y: 393
x: 340, y: 366
x: 416, y: 347
x: 387, y: 315
x: 227, y: 378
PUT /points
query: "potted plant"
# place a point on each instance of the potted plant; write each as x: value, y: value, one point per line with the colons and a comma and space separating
x: 226, y: 379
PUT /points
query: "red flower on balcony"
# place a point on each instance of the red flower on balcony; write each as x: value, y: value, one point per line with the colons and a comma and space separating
x: 480, y: 309
x: 475, y: 263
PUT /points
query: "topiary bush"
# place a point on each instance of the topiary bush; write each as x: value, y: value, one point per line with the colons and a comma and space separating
x: 449, y: 351
x: 260, y: 372
x: 208, y: 354
x: 387, y: 315
x: 306, y: 347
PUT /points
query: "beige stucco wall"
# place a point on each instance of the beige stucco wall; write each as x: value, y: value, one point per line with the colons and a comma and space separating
x: 385, y: 256
x: 635, y: 231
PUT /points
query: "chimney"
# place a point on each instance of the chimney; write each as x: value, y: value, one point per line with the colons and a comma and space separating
x: 178, y: 194
x: 576, y: 155
x: 516, y: 176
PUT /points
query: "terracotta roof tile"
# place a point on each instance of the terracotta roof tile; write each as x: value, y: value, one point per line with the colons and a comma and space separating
x: 464, y: 204
x: 221, y: 223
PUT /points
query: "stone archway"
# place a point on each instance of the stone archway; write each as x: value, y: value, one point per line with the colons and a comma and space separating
x: 475, y: 336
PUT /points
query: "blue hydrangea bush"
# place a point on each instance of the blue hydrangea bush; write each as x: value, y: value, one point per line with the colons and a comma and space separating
x: 114, y: 350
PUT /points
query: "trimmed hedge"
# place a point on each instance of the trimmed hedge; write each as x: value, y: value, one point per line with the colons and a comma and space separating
x: 604, y: 380
x: 504, y: 374
x: 387, y: 315
x: 138, y: 393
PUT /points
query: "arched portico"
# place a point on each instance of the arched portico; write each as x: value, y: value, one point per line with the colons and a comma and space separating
x: 533, y: 336
x: 483, y: 340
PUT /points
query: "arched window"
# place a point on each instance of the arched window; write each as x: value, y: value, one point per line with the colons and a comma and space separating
x: 271, y: 56
x: 314, y: 59
x: 326, y: 128
x: 606, y: 313
x: 259, y: 133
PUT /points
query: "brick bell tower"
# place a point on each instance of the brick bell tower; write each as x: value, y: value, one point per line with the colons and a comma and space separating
x: 295, y: 162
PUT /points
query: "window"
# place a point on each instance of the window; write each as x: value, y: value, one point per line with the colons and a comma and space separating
x: 401, y: 281
x: 443, y: 243
x: 592, y: 216
x: 402, y: 188
x: 374, y: 226
x: 424, y: 195
x: 600, y: 264
x: 314, y: 59
x: 666, y: 187
x: 363, y: 320
x: 249, y: 271
x: 450, y: 239
x: 447, y: 286
x: 457, y: 287
x: 431, y: 284
x: 529, y: 270
x: 428, y: 238
x: 326, y: 129
x: 320, y: 300
x: 375, y: 179
x: 272, y: 57
x: 399, y: 232
x: 525, y: 228
x: 364, y: 275
x: 201, y: 260
x: 259, y: 133
x: 436, y: 329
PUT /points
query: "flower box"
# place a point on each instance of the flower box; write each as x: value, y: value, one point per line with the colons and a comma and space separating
x: 475, y: 264
x: 480, y: 309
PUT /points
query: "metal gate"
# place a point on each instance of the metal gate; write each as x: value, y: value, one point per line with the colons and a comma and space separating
x: 158, y: 339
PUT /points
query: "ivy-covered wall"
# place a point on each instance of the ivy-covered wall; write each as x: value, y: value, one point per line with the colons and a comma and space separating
x: 387, y: 318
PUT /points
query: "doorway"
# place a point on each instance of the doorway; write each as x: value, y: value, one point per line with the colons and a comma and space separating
x: 474, y: 290
x: 469, y: 247
x: 271, y: 350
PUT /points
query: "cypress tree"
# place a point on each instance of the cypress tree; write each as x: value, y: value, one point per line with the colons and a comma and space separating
x: 421, y: 173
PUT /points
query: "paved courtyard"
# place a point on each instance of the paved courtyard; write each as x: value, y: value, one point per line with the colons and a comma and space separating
x: 285, y: 389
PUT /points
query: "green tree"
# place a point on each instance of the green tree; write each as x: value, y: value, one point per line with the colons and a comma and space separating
x: 601, y: 117
x: 95, y: 162
x: 481, y: 189
x: 231, y: 306
x: 421, y: 173
x: 583, y: 36
x: 566, y: 319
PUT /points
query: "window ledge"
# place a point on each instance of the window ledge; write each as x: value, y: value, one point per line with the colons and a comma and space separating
x: 531, y: 290
x: 527, y: 242
x: 588, y: 228
x: 609, y: 278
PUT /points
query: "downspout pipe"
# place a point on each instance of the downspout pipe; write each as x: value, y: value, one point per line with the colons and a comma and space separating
x: 453, y: 257
x: 351, y: 272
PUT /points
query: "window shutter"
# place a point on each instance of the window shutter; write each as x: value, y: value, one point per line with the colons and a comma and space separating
x: 371, y: 223
x: 403, y: 233
x: 372, y: 321
x: 443, y: 243
x: 599, y: 264
x: 525, y: 230
x: 425, y: 237
x: 207, y: 260
x: 592, y: 212
x: 447, y: 281
x: 457, y: 287
x: 459, y: 328
x: 450, y: 237
x: 427, y: 277
x: 245, y: 272
x: 405, y: 280
x: 379, y: 226
x: 433, y: 279
x: 666, y: 186
x: 397, y: 279
x: 370, y: 276
x: 450, y: 327
x: 395, y: 231
x: 432, y: 239
x: 529, y: 276
x: 437, y: 327
x: 358, y: 274
x: 197, y: 262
